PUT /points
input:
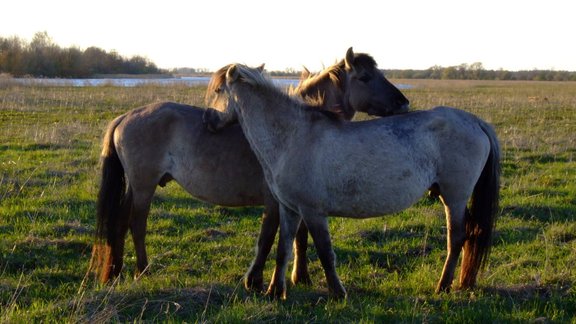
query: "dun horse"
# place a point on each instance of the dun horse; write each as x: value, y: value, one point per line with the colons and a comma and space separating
x: 154, y: 144
x: 318, y: 166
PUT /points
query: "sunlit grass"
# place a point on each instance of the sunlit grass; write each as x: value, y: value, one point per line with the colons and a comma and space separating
x: 49, y: 149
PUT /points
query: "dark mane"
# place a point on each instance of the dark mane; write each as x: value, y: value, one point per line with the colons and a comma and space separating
x: 364, y: 61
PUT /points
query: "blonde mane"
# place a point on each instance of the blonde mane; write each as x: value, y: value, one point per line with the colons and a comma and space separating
x: 256, y: 79
x: 334, y: 74
x: 253, y: 76
x: 216, y: 98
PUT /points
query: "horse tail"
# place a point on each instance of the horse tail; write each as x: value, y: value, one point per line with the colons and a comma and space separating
x: 482, y: 213
x: 109, y: 207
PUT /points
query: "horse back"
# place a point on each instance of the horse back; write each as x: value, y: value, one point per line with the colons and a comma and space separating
x: 383, y: 165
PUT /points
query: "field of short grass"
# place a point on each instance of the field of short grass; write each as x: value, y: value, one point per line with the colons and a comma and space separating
x: 49, y: 149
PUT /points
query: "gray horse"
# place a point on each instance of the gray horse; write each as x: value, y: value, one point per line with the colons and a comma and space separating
x: 154, y: 144
x: 317, y: 166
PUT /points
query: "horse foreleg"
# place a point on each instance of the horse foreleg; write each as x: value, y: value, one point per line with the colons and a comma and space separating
x: 254, y: 278
x: 318, y: 226
x: 289, y: 221
x: 455, y: 242
x: 300, y: 269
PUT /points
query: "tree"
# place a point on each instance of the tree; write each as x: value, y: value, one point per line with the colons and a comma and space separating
x: 42, y: 56
x: 476, y: 71
x: 12, y: 56
x: 449, y: 73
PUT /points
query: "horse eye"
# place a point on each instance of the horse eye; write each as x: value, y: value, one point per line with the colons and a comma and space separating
x: 218, y: 90
x: 364, y: 78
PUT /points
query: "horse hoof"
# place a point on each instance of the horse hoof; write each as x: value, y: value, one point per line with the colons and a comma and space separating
x: 276, y: 293
x: 139, y: 275
x: 254, y: 283
x: 443, y: 289
x: 339, y: 294
x: 301, y: 279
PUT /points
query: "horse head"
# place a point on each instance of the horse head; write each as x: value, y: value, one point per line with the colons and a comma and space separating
x: 352, y: 84
x: 367, y: 88
x: 222, y: 113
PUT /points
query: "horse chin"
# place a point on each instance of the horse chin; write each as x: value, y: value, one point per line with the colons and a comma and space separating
x: 379, y: 112
x: 403, y: 109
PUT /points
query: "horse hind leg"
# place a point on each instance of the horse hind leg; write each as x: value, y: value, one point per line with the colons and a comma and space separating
x: 300, y: 274
x: 254, y: 278
x: 318, y: 226
x: 138, y: 222
x: 289, y: 221
x: 112, y: 254
x: 120, y: 229
x: 455, y: 221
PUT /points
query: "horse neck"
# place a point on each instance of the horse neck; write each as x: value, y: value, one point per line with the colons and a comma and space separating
x: 269, y: 120
x: 330, y: 94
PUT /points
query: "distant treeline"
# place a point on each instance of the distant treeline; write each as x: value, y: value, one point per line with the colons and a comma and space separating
x: 476, y: 71
x: 42, y: 58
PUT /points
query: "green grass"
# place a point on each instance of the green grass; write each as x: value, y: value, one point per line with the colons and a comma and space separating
x: 49, y: 149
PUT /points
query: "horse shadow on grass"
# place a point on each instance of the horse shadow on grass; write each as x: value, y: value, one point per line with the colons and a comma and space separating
x: 213, y: 301
x: 120, y: 305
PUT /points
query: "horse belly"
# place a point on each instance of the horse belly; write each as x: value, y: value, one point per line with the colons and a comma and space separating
x: 231, y: 189
x: 375, y: 208
x: 375, y: 197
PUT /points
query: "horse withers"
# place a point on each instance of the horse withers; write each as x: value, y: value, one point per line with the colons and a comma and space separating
x: 318, y: 166
x: 157, y: 143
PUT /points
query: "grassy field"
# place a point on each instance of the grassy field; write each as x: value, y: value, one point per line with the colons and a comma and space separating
x: 49, y: 149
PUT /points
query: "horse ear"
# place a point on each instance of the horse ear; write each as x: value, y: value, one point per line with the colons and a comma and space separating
x: 261, y: 67
x: 232, y: 74
x: 349, y: 59
x: 305, y: 74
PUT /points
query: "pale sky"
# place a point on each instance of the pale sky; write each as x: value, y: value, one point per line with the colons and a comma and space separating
x: 401, y: 34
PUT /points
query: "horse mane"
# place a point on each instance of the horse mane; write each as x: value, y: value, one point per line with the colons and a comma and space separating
x: 333, y: 74
x: 364, y: 61
x: 215, y: 97
x: 256, y: 79
x: 318, y: 90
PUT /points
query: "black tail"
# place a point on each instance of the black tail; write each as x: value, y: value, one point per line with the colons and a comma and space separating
x: 483, y: 211
x: 109, y: 206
